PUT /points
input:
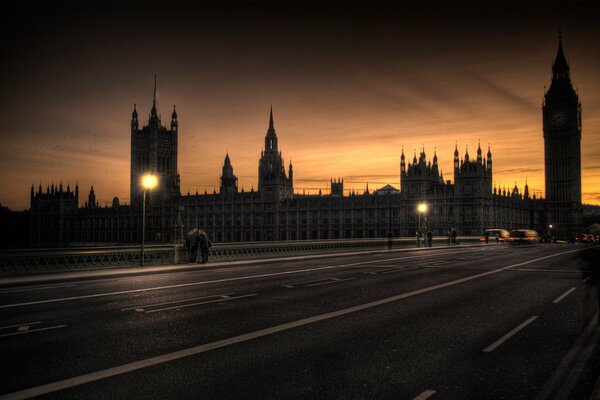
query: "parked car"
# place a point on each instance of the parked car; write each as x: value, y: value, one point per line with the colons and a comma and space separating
x: 496, y: 235
x: 524, y: 236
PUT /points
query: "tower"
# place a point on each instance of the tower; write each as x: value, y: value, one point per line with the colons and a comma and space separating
x: 561, y: 116
x: 229, y: 182
x: 154, y: 151
x: 273, y: 184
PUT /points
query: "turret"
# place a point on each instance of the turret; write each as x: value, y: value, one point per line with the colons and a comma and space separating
x: 402, y: 162
x: 456, y: 156
x: 92, y: 198
x: 174, y: 119
x: 291, y: 173
x: 134, y: 119
x: 489, y: 158
x: 479, y: 159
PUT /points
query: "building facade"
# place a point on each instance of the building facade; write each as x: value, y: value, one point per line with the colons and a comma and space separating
x: 469, y: 203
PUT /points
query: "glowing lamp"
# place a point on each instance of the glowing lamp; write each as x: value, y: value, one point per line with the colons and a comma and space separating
x: 149, y: 181
x: 422, y: 208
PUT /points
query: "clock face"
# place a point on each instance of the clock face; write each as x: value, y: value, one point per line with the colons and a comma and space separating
x: 558, y: 118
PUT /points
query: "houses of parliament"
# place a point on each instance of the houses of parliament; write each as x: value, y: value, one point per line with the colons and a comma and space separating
x: 469, y: 203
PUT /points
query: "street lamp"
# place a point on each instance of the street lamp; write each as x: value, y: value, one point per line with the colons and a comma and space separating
x: 148, y: 182
x: 421, y: 208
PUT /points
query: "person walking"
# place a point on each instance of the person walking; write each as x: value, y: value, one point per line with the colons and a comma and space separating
x: 205, y: 244
x: 429, y: 238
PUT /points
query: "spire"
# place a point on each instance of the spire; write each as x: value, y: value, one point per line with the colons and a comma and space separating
x: 479, y: 152
x: 271, y: 137
x: 153, y: 113
x: 560, y: 68
x: 435, y: 159
x: 154, y: 97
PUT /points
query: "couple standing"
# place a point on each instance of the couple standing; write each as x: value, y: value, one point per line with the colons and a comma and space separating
x: 196, y: 240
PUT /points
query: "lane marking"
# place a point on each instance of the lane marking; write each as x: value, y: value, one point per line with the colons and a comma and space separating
x: 565, y: 294
x: 558, y: 377
x: 24, y: 323
x: 510, y: 334
x: 588, y: 278
x: 200, y: 303
x: 2, y: 291
x: 136, y: 365
x: 32, y: 331
x: 23, y: 328
x: 425, y: 395
x: 172, y: 302
x: 239, y: 278
x: 336, y: 280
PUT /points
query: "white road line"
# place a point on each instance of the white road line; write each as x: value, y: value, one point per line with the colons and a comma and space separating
x: 24, y: 323
x: 2, y: 291
x: 32, y: 331
x: 136, y: 365
x: 141, y: 306
x: 332, y: 281
x: 425, y: 395
x: 565, y: 294
x: 239, y: 278
x: 588, y: 278
x: 510, y: 334
x: 200, y: 303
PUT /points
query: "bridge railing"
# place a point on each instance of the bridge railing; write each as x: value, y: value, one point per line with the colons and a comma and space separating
x: 13, y: 262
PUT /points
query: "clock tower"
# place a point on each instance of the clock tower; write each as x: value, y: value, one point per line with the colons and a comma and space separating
x: 561, y: 113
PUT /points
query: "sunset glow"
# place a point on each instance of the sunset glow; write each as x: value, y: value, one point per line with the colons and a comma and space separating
x: 347, y: 97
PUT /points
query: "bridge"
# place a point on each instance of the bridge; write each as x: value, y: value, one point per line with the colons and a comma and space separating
x: 470, y: 321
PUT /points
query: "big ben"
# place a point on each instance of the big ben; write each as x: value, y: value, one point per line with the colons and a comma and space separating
x: 561, y: 112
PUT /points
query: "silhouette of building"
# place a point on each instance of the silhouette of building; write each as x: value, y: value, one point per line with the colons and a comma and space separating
x: 469, y: 204
x: 561, y: 112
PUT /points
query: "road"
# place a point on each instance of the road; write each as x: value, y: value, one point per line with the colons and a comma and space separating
x: 488, y: 322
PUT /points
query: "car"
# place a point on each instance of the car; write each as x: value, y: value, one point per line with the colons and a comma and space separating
x: 524, y: 236
x: 497, y: 235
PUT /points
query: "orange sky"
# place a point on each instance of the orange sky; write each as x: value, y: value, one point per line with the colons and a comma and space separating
x: 345, y: 100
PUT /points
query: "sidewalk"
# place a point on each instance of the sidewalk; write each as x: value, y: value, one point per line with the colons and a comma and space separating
x: 109, y: 272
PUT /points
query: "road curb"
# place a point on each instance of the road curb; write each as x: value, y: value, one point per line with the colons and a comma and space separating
x: 150, y: 270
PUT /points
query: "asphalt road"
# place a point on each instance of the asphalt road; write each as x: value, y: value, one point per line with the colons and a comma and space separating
x: 490, y: 322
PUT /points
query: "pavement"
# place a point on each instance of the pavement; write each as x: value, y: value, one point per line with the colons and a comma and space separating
x: 104, y: 271
x: 481, y: 322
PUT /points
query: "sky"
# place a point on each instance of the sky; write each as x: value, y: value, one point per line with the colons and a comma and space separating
x: 351, y: 85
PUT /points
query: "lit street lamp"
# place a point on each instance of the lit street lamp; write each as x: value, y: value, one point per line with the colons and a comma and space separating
x: 421, y: 208
x: 148, y: 182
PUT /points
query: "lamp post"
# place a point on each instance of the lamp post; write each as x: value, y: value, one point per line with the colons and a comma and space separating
x: 148, y: 182
x: 421, y: 208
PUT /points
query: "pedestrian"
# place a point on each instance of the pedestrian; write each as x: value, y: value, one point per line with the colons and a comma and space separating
x: 418, y: 237
x: 429, y: 238
x: 487, y: 237
x: 454, y: 236
x: 192, y: 241
x: 390, y: 240
x: 205, y: 244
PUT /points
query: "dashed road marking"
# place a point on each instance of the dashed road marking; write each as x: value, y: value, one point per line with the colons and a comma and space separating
x: 565, y: 294
x: 425, y: 395
x: 21, y: 332
x: 23, y: 324
x: 510, y: 334
x: 180, y: 306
